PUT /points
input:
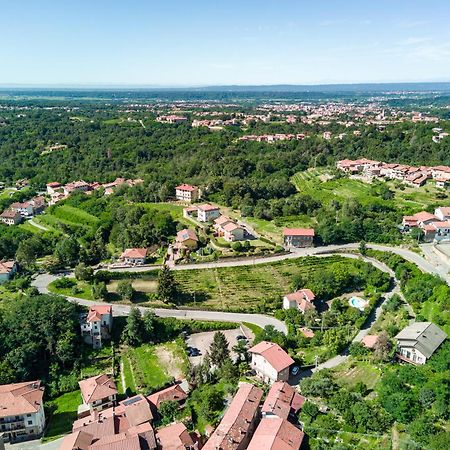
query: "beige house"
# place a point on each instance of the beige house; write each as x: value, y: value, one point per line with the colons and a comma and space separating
x: 98, y: 393
x: 186, y: 238
x: 302, y: 300
x: 298, y: 237
x: 10, y: 217
x: 96, y: 325
x: 186, y: 193
x: 134, y: 256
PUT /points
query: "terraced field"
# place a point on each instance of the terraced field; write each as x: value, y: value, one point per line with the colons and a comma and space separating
x: 67, y: 215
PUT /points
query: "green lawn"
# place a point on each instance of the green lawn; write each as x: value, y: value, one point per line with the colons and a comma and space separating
x: 63, y: 414
x: 175, y: 210
x: 85, y: 290
x: 433, y: 312
x: 350, y: 373
x: 28, y: 227
x: 71, y: 214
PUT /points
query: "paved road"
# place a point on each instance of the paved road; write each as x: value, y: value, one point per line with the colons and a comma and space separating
x: 35, y: 445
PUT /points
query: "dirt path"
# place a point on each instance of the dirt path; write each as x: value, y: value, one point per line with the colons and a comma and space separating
x: 169, y: 361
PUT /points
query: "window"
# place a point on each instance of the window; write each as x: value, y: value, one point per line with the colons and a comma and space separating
x: 30, y: 422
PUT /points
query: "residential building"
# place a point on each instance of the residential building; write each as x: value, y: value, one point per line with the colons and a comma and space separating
x: 441, y: 172
x: 276, y: 434
x: 370, y: 340
x: 171, y: 119
x: 207, y: 212
x: 173, y: 393
x: 136, y: 409
x: 175, y: 437
x: 96, y: 325
x: 134, y: 256
x: 186, y: 193
x: 442, y: 213
x: 98, y: 393
x: 76, y: 186
x: 10, y: 217
x: 21, y: 411
x: 7, y: 270
x: 186, y: 239
x: 298, y: 237
x: 54, y: 187
x: 270, y: 362
x: 239, y: 421
x: 442, y: 231
x: 302, y: 300
x: 282, y: 401
x: 25, y: 209
x: 417, y: 342
x: 233, y: 232
x: 442, y: 183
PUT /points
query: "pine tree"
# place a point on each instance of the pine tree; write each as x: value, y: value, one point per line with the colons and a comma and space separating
x: 133, y: 333
x: 218, y: 350
x: 166, y: 285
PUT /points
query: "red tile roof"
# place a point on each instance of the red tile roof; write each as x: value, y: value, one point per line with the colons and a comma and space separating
x: 172, y: 393
x: 281, y: 399
x: 424, y: 216
x: 174, y: 437
x: 186, y: 234
x: 208, y: 207
x: 137, y: 253
x: 20, y: 398
x: 96, y: 388
x: 97, y: 311
x: 186, y: 187
x: 273, y: 354
x: 79, y: 440
x: 298, y: 232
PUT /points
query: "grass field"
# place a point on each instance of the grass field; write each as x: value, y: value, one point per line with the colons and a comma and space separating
x: 84, y: 290
x: 351, y: 373
x: 64, y: 413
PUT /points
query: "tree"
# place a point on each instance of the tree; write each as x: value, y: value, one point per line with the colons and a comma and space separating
x: 67, y: 251
x: 83, y: 272
x: 241, y: 350
x: 148, y: 320
x: 133, y: 333
x: 166, y: 285
x: 219, y: 351
x: 382, y: 347
x: 125, y: 290
x: 363, y: 248
x: 211, y: 402
x: 228, y: 371
x: 310, y: 410
x: 168, y: 411
x: 99, y: 290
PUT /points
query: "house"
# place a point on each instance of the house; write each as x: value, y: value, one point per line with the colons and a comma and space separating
x: 424, y: 218
x: 282, y: 401
x: 173, y: 393
x: 25, y: 209
x: 10, y: 217
x: 54, y: 187
x: 270, y: 362
x: 186, y: 193
x: 136, y: 409
x: 134, y: 256
x: 220, y: 222
x: 171, y: 119
x: 442, y: 183
x: 207, y: 212
x: 39, y: 205
x: 276, y: 434
x: 96, y: 325
x: 298, y: 237
x: 7, y: 269
x: 409, y: 222
x: 239, y: 421
x: 302, y: 300
x: 98, y: 393
x: 441, y: 172
x: 187, y: 238
x: 442, y: 213
x: 76, y: 186
x: 21, y: 411
x: 175, y: 437
x: 370, y: 341
x: 233, y: 232
x: 442, y: 231
x: 190, y: 212
x: 418, y: 341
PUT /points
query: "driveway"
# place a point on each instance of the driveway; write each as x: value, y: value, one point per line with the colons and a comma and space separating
x: 35, y: 445
x: 203, y: 341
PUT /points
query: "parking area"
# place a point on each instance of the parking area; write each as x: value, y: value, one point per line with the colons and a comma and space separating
x: 202, y: 342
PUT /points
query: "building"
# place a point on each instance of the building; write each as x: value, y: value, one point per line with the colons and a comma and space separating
x: 187, y: 239
x: 21, y: 411
x: 418, y: 341
x: 98, y: 393
x: 10, y: 217
x: 282, y: 401
x: 136, y: 409
x: 442, y: 183
x: 7, y: 270
x: 441, y: 172
x: 370, y: 341
x: 276, y: 434
x: 175, y: 437
x: 96, y: 325
x: 134, y: 256
x: 186, y: 193
x: 298, y: 237
x: 270, y: 362
x: 207, y: 212
x: 233, y: 232
x: 25, y: 209
x: 302, y: 300
x: 54, y: 187
x: 76, y: 186
x: 173, y: 393
x: 237, y: 425
x: 442, y: 213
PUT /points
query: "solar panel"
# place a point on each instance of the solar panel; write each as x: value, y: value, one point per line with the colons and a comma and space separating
x: 131, y: 401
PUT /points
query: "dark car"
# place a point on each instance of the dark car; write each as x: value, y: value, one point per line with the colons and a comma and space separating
x: 241, y: 337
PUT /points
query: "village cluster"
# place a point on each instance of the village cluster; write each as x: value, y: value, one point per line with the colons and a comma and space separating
x: 435, y: 227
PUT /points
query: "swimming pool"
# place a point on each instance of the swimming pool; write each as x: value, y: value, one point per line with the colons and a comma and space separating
x: 357, y: 302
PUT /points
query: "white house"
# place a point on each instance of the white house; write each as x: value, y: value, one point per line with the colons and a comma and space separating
x: 96, y: 325
x: 98, y: 393
x: 302, y: 300
x: 270, y: 362
x: 21, y: 411
x: 207, y: 212
x: 186, y: 193
x: 418, y: 341
x: 135, y: 256
x: 442, y: 213
x: 10, y: 217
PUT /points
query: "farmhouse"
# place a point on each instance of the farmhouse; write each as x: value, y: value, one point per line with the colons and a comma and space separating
x: 270, y: 362
x: 207, y: 212
x: 301, y: 300
x: 276, y: 433
x: 418, y: 341
x: 134, y: 256
x: 282, y: 401
x: 96, y: 325
x: 98, y: 393
x: 21, y: 411
x: 7, y: 269
x: 238, y: 423
x: 10, y: 217
x: 186, y: 193
x: 298, y: 237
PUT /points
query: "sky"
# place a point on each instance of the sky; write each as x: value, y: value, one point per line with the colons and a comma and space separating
x: 212, y: 42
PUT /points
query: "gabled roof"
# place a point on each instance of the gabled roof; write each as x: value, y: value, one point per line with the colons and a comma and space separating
x: 134, y: 253
x: 273, y: 354
x: 186, y: 187
x: 96, y: 388
x: 281, y: 399
x: 423, y: 216
x: 186, y: 234
x: 136, y: 409
x: 78, y: 440
x: 298, y: 232
x: 426, y: 337
x: 174, y: 437
x: 222, y: 220
x: 301, y: 294
x: 172, y: 393
x: 276, y: 434
x: 208, y: 207
x: 231, y: 227
x: 97, y: 311
x: 444, y: 210
x: 20, y: 398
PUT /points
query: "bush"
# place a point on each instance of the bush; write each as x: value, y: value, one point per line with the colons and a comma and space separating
x: 64, y: 283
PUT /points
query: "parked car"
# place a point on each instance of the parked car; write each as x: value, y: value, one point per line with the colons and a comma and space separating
x: 241, y: 337
x: 295, y: 370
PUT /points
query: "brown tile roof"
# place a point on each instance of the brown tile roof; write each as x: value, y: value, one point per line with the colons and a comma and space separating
x: 184, y: 235
x: 20, y: 398
x: 78, y: 440
x: 237, y: 420
x: 273, y: 354
x: 9, y: 214
x: 302, y: 294
x: 172, y: 393
x: 96, y: 388
x: 298, y: 232
x: 136, y: 409
x: 424, y: 216
x: 281, y: 399
x: 207, y: 207
x: 276, y: 434
x: 174, y: 437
